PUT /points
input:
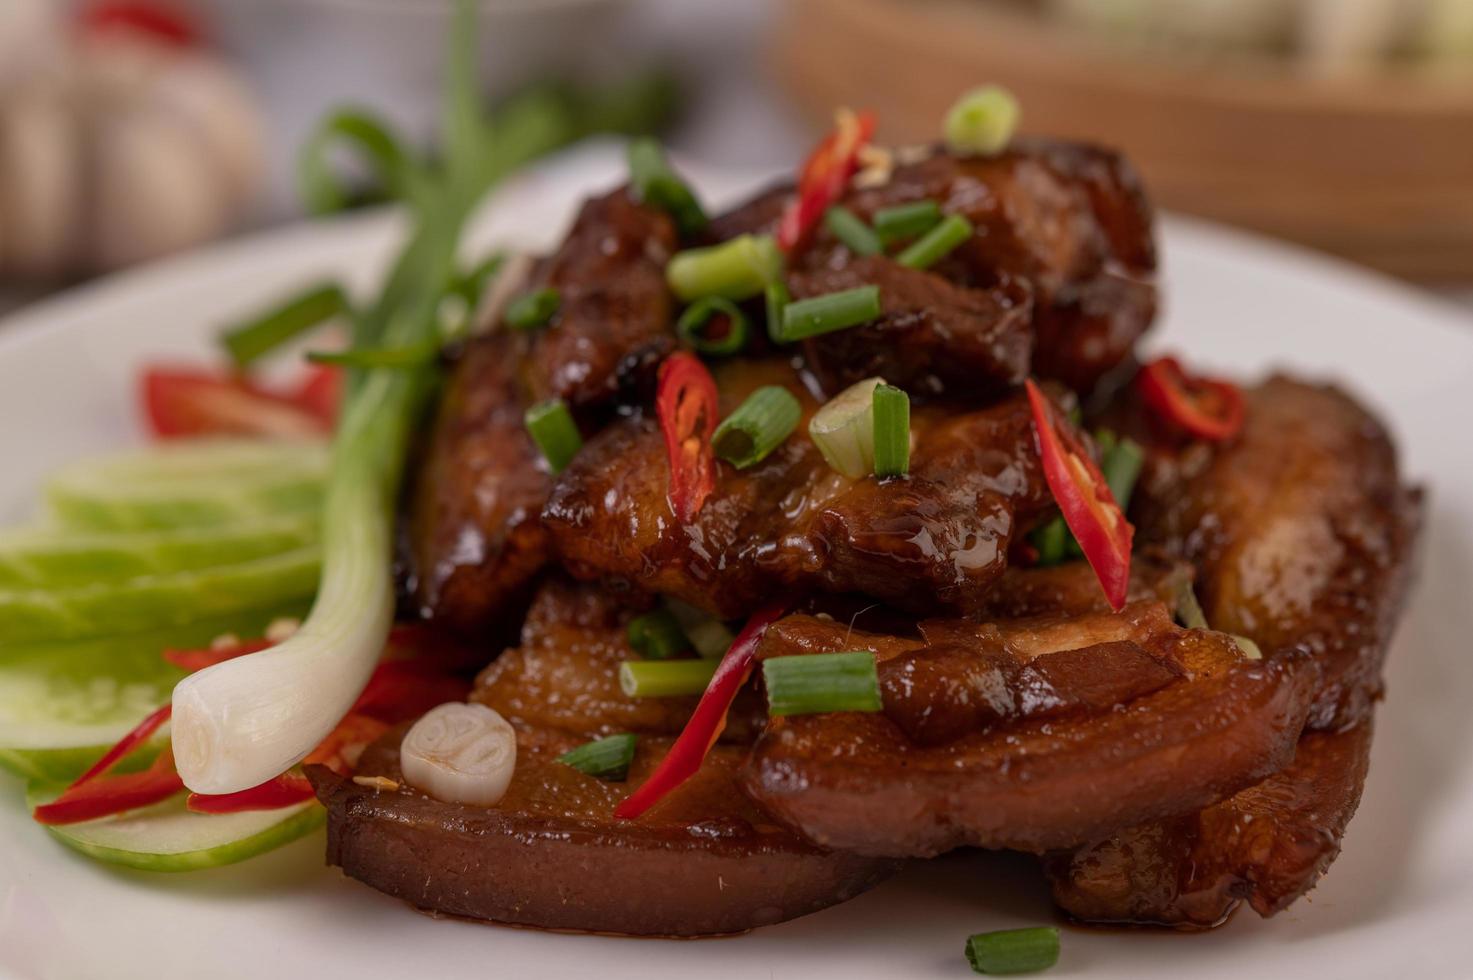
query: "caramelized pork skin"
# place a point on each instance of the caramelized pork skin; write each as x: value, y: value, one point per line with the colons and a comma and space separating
x: 790, y: 524
x: 614, y: 322
x: 1035, y: 734
x: 1267, y: 845
x: 565, y: 673
x: 1069, y: 220
x: 550, y: 854
x: 475, y: 536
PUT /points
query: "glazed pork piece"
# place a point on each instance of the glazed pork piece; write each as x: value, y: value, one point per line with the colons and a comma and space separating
x: 1029, y: 734
x: 1304, y: 538
x: 550, y: 854
x: 935, y: 540
x: 1065, y: 223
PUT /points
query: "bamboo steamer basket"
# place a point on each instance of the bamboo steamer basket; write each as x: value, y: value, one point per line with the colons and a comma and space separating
x: 1376, y: 169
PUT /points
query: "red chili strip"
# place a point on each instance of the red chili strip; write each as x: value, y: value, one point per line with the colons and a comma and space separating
x: 1208, y: 408
x: 288, y: 789
x: 1084, y: 498
x: 824, y: 178
x: 189, y: 401
x: 686, y: 404
x: 193, y: 660
x: 92, y: 798
x: 707, y: 722
x: 125, y: 745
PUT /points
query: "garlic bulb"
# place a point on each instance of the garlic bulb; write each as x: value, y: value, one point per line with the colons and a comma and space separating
x: 460, y: 753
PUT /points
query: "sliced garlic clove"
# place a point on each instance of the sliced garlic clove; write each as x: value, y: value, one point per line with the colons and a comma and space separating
x: 460, y: 753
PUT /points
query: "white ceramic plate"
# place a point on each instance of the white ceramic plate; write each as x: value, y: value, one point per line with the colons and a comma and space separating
x: 1398, y: 902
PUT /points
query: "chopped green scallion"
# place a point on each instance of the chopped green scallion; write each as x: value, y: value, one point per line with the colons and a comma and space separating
x: 657, y: 635
x: 906, y: 220
x: 1014, y: 950
x: 654, y: 182
x: 847, y: 227
x: 369, y: 358
x: 844, y: 429
x: 892, y: 431
x: 665, y: 678
x: 604, y: 758
x: 267, y: 331
x: 735, y: 270
x: 777, y: 300
x: 1052, y: 541
x: 937, y: 243
x: 1122, y: 467
x: 804, y: 318
x: 556, y: 434
x: 757, y: 427
x: 821, y: 683
x: 1188, y: 610
x: 714, y: 326
x: 534, y: 310
x: 982, y: 121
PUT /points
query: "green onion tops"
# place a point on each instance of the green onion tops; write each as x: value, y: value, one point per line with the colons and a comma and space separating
x: 982, y: 121
x: 657, y: 635
x: 1014, y: 950
x: 857, y: 236
x: 844, y: 429
x: 906, y: 220
x: 665, y: 678
x: 714, y: 326
x: 653, y: 181
x: 805, y: 318
x: 257, y: 337
x: 937, y: 243
x: 604, y: 758
x: 534, y: 310
x: 758, y: 426
x: 556, y: 434
x: 819, y: 683
x: 777, y: 299
x: 892, y: 431
x: 734, y: 270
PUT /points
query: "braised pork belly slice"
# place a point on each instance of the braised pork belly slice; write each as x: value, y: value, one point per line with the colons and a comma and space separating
x: 474, y: 536
x: 705, y: 861
x: 1029, y: 734
x: 1068, y: 220
x: 1267, y: 846
x: 615, y: 320
x: 791, y: 525
x: 565, y: 673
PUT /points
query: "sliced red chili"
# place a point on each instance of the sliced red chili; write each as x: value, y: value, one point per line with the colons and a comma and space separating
x: 181, y: 402
x: 340, y: 750
x: 686, y: 405
x: 824, y: 178
x: 163, y: 22
x: 288, y: 789
x: 321, y: 392
x: 707, y: 721
x: 1084, y: 498
x: 193, y: 660
x: 402, y: 689
x: 1208, y: 408
x: 125, y: 745
x: 94, y: 796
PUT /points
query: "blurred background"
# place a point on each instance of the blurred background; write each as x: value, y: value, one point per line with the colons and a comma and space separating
x: 130, y: 129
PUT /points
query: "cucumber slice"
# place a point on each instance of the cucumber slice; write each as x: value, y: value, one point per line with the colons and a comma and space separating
x: 205, y: 483
x: 64, y: 765
x: 149, y: 603
x: 43, y: 558
x: 167, y: 837
x: 63, y: 704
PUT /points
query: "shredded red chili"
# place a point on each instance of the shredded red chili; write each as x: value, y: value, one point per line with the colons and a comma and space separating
x: 824, y: 178
x: 708, y: 720
x: 288, y: 789
x: 686, y: 405
x: 188, y: 401
x: 1207, y: 408
x: 1084, y: 498
x: 96, y: 795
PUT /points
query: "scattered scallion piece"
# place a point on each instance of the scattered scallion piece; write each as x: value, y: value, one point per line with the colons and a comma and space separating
x: 657, y: 635
x: 734, y: 270
x: 665, y: 678
x: 1014, y: 950
x: 777, y: 300
x: 706, y: 633
x: 1250, y: 649
x: 820, y: 683
x: 1188, y: 610
x: 757, y: 427
x: 1051, y: 540
x: 1122, y: 467
x: 937, y: 243
x: 715, y: 326
x: 847, y: 227
x: 906, y: 220
x: 982, y: 121
x: 844, y: 429
x: 553, y: 429
x: 892, y: 431
x: 267, y: 331
x: 803, y: 318
x: 366, y: 358
x: 533, y: 310
x: 654, y: 182
x: 604, y: 758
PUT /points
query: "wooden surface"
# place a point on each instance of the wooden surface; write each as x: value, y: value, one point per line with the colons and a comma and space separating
x: 1379, y: 170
